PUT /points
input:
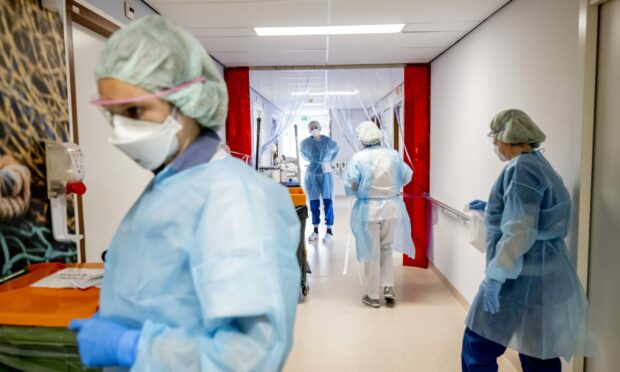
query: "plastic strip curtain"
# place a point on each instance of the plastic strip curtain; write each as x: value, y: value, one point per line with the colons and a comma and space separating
x: 356, y: 95
x: 281, y: 96
x: 342, y: 97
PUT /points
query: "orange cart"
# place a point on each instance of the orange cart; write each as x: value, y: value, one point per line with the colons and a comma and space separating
x: 33, y: 321
x: 299, y: 200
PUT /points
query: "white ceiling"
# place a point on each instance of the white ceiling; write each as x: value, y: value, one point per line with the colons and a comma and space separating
x: 372, y: 84
x: 225, y: 27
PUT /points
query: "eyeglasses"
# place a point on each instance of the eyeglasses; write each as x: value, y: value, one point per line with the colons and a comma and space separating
x: 159, y: 94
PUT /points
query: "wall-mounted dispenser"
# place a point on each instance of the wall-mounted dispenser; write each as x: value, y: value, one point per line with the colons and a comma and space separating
x: 65, y: 173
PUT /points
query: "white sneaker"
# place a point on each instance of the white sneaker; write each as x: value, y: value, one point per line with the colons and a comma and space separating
x: 313, y: 237
x: 388, y: 294
x: 370, y: 302
x: 328, y: 238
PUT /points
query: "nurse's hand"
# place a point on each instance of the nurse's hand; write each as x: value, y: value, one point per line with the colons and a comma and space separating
x: 104, y: 343
x: 478, y: 205
x: 490, y: 295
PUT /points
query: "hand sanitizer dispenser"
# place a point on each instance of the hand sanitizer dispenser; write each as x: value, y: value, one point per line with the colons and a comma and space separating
x: 65, y: 172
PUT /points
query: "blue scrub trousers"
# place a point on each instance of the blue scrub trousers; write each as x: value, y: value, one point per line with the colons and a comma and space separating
x: 315, y: 208
x: 480, y: 355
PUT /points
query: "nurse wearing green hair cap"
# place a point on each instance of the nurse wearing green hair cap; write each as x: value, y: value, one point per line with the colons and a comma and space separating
x: 531, y: 299
x: 202, y: 273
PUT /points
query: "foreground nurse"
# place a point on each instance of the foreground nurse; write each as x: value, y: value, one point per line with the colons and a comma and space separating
x: 202, y: 273
x: 379, y: 219
x: 320, y: 151
x: 531, y: 299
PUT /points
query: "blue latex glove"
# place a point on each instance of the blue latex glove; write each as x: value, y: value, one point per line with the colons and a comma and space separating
x: 104, y: 343
x: 490, y: 295
x: 478, y: 205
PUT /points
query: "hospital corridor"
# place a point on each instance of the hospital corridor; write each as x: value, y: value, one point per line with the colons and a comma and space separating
x: 331, y: 324
x: 309, y: 185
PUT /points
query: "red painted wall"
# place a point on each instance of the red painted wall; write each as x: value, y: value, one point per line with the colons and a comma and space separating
x: 417, y: 139
x: 238, y: 123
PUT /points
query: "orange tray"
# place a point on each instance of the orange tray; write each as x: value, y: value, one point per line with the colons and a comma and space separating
x: 23, y: 305
x: 298, y: 196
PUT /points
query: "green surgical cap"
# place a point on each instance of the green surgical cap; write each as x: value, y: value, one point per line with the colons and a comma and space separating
x: 368, y: 133
x: 154, y: 54
x: 515, y: 127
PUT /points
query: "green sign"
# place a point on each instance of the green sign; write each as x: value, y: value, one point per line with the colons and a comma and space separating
x: 305, y: 118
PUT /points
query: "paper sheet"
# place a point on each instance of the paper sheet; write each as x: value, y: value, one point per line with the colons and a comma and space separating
x: 72, y: 278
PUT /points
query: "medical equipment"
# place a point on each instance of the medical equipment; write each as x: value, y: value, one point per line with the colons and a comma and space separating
x: 258, y: 121
x: 65, y: 173
x: 285, y: 170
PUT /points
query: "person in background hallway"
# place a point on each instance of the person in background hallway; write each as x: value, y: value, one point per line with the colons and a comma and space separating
x: 531, y: 299
x: 379, y: 219
x: 202, y: 273
x: 320, y: 151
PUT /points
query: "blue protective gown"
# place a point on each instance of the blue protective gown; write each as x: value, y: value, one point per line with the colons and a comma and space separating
x: 543, y: 308
x: 319, y: 184
x: 205, y: 264
x: 375, y: 177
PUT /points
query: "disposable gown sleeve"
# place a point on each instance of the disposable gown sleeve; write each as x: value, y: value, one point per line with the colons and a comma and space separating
x: 334, y: 150
x: 352, y: 176
x: 305, y: 151
x: 406, y: 172
x: 519, y: 228
x: 236, y: 278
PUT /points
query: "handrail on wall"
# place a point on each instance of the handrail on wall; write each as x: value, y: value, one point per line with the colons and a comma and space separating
x: 460, y: 215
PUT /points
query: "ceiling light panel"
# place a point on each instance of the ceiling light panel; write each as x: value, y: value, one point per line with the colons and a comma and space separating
x: 330, y: 30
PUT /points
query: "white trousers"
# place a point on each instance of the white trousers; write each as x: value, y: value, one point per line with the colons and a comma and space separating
x: 380, y: 271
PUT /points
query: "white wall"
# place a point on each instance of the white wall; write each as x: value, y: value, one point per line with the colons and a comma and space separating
x: 113, y: 180
x: 523, y: 57
x: 604, y: 253
x: 116, y: 8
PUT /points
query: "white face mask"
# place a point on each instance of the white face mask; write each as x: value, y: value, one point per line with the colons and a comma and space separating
x: 499, y: 154
x: 147, y: 143
x: 315, y: 132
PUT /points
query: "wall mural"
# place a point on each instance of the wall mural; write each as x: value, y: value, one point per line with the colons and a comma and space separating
x: 33, y: 109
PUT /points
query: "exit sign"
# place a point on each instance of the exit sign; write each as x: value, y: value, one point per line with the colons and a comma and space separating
x: 305, y: 118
